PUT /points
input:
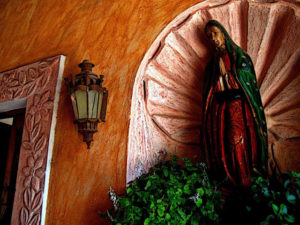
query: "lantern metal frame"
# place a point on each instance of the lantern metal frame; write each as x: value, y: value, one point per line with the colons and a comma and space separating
x: 86, y: 83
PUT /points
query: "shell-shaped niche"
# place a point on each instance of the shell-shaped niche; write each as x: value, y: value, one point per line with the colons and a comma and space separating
x: 167, y: 95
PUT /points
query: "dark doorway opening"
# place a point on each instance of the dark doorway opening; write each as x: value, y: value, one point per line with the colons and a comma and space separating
x: 11, y: 130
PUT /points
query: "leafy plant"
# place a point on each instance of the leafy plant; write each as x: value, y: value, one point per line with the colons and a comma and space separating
x: 174, y: 194
x: 169, y: 194
x: 279, y: 198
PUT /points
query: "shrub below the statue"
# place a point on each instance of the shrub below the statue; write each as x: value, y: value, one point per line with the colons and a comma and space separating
x: 172, y: 194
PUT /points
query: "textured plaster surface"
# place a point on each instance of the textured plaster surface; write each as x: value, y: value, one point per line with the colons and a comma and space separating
x: 115, y: 36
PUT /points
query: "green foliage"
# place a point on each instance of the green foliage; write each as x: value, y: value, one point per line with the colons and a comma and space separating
x: 170, y: 194
x: 278, y: 198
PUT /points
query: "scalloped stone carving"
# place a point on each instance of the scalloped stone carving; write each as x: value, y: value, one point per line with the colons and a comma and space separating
x: 167, y: 94
x: 37, y: 82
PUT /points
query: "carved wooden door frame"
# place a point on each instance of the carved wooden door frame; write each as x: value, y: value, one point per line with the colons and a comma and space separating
x: 38, y: 86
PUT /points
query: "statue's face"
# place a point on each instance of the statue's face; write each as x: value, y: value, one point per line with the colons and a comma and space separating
x: 216, y: 37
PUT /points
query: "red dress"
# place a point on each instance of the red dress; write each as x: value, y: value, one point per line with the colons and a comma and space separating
x: 229, y: 130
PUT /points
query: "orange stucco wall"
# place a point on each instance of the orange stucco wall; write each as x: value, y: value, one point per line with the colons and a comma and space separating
x: 114, y: 35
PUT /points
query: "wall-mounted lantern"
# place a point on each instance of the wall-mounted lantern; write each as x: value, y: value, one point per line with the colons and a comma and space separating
x: 89, y: 100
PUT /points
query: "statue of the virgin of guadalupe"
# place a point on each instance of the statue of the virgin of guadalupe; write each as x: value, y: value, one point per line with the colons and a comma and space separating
x: 234, y: 129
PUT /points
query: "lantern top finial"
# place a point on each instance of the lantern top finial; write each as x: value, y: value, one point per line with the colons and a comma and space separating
x: 86, y: 65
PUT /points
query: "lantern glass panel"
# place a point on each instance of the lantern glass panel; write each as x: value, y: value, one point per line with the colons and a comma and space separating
x: 74, y: 104
x: 81, y: 97
x: 93, y: 103
x: 100, y: 104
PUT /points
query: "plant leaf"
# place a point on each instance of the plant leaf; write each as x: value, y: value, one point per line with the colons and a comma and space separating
x: 275, y: 208
x: 199, y: 202
x: 148, y: 185
x: 200, y: 191
x: 161, y: 211
x: 290, y: 218
x: 291, y: 198
x: 166, y: 172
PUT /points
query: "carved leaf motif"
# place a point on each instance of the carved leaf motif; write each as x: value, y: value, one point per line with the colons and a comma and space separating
x: 8, y: 94
x: 37, y: 117
x: 43, y: 65
x: 44, y: 80
x: 35, y: 219
x: 40, y: 144
x: 32, y: 73
x: 22, y: 77
x: 26, y: 171
x: 48, y: 104
x: 36, y: 131
x: 27, y: 145
x: 27, y: 181
x: 38, y: 163
x: 37, y: 202
x: 29, y: 122
x: 30, y: 161
x: 35, y: 182
x: 28, y: 197
x: 40, y: 173
x: 24, y: 216
x: 30, y: 87
x: 13, y: 76
x: 4, y: 76
x: 7, y: 76
x: 14, y: 83
x: 36, y: 100
x: 18, y: 92
x: 52, y: 62
x: 45, y: 97
x: 44, y: 113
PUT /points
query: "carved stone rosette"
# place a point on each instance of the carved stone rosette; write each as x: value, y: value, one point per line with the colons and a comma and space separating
x: 37, y: 82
